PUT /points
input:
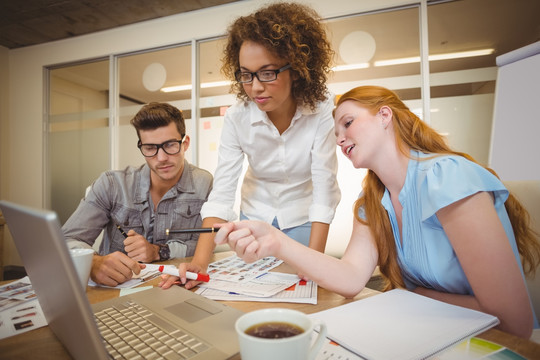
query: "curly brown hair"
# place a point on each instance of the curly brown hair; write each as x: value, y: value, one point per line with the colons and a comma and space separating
x: 291, y: 31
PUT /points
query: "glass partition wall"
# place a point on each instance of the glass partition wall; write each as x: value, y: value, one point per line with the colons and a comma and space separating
x: 89, y: 110
x: 89, y: 115
x: 214, y: 100
x: 78, y: 132
x: 361, y: 44
x: 465, y: 37
x: 141, y: 78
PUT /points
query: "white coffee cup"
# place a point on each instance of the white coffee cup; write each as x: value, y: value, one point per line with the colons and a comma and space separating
x: 297, y: 347
x: 82, y: 259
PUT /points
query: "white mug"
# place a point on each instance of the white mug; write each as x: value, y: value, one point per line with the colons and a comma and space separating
x: 297, y: 347
x: 82, y: 259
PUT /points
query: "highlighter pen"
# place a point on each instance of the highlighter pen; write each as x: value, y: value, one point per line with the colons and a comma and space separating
x: 188, y: 231
x: 171, y: 270
x: 121, y: 230
x: 189, y: 275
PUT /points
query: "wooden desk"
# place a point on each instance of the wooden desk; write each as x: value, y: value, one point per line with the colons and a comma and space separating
x: 42, y: 343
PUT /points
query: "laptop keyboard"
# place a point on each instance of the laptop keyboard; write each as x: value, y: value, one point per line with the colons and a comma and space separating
x: 136, y: 333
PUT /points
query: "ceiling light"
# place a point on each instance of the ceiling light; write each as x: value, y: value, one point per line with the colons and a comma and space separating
x: 350, y: 67
x: 188, y: 86
x: 447, y: 56
x: 154, y: 77
x: 397, y: 61
x: 215, y: 84
x: 175, y: 88
x: 461, y: 54
x: 357, y: 47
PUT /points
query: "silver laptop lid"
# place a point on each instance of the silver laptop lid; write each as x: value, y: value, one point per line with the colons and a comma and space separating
x: 42, y: 247
x: 39, y: 240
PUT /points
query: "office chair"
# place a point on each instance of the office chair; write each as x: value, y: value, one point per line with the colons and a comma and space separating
x: 528, y: 193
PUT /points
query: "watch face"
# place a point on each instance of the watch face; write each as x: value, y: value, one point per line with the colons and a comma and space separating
x: 164, y: 252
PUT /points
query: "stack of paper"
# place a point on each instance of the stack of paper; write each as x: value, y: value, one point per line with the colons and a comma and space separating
x: 232, y: 279
x: 301, y: 291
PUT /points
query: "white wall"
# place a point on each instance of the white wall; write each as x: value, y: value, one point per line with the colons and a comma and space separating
x: 4, y: 147
x: 4, y: 123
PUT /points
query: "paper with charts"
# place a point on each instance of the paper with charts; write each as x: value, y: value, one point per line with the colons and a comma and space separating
x: 232, y: 279
x: 19, y: 308
x: 264, y: 290
x: 235, y: 269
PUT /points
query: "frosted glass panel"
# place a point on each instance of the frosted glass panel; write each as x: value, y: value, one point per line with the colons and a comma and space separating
x: 78, y: 133
x: 213, y: 102
x: 462, y: 64
x: 366, y: 49
x: 142, y: 77
x: 362, y: 42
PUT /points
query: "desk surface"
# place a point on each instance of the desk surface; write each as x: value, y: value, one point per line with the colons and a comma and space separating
x: 43, y: 344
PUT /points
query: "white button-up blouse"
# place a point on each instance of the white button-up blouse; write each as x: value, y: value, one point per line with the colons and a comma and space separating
x: 291, y: 176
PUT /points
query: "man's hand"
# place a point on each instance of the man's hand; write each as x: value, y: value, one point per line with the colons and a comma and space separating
x: 139, y: 249
x: 168, y: 280
x: 113, y: 269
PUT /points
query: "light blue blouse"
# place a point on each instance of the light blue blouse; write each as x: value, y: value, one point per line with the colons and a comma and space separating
x: 426, y: 257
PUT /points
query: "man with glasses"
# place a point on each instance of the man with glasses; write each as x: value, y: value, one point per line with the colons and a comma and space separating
x: 136, y: 206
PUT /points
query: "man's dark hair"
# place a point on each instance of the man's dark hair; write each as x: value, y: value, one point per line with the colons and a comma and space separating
x: 155, y: 115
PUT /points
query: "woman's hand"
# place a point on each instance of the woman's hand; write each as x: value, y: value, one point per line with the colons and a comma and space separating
x: 251, y: 239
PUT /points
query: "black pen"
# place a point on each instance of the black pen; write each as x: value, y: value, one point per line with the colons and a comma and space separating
x: 122, y: 231
x: 188, y: 231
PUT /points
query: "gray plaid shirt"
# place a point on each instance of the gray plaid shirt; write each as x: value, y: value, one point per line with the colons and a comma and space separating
x: 122, y: 197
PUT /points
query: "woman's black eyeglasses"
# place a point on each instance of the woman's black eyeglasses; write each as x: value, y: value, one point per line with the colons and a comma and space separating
x: 244, y: 77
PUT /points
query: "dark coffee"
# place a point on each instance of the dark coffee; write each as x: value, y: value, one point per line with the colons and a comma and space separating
x: 274, y: 330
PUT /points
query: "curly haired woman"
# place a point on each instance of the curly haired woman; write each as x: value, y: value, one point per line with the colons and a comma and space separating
x: 278, y: 59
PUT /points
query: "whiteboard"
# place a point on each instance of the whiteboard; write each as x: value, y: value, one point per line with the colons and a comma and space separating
x: 515, y: 139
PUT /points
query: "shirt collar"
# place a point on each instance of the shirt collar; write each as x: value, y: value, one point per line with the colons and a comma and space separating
x: 258, y: 116
x: 142, y: 184
x: 184, y: 185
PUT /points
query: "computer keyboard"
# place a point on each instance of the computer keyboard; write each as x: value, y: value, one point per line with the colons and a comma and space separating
x: 135, y: 333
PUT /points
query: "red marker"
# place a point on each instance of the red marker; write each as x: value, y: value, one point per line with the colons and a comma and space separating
x: 190, y: 275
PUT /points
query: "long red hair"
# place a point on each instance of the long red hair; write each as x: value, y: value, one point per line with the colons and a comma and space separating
x: 413, y: 133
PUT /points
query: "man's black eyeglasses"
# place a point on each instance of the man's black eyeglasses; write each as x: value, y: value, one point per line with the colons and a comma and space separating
x: 170, y: 147
x: 244, y: 77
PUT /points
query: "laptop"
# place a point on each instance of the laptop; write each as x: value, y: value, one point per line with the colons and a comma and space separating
x: 189, y: 325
